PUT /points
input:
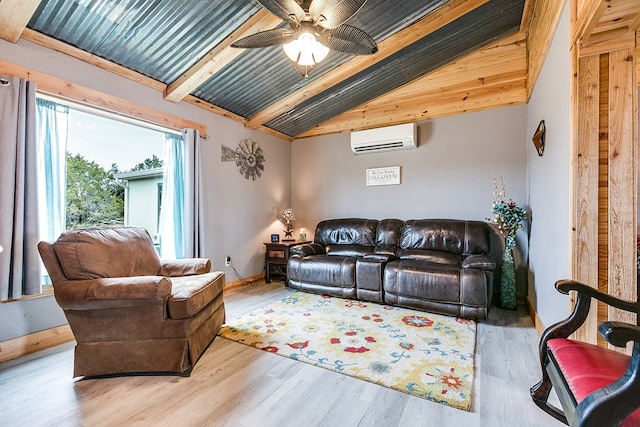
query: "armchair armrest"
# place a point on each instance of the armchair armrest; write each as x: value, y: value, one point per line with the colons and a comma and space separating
x: 564, y: 286
x: 619, y: 333
x: 184, y: 267
x: 112, y: 292
x: 480, y: 262
x: 566, y: 327
x: 307, y: 249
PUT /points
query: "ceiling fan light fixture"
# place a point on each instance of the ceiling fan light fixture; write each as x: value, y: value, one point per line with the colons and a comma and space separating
x: 306, y: 50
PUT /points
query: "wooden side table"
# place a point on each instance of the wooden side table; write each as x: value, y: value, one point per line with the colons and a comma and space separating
x: 276, y: 258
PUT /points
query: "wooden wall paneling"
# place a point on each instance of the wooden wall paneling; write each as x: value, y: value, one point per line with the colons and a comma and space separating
x: 602, y: 116
x: 622, y: 181
x: 37, y: 341
x: 586, y: 172
x: 546, y: 15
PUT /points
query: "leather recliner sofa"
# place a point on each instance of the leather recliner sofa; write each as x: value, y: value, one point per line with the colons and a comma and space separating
x: 437, y: 265
x: 130, y: 311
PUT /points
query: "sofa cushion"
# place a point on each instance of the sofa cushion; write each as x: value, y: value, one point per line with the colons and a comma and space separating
x: 349, y: 250
x: 434, y: 257
x: 426, y: 281
x: 335, y: 271
x: 190, y: 294
x: 388, y: 236
x: 350, y: 231
x: 107, y: 252
x: 447, y: 235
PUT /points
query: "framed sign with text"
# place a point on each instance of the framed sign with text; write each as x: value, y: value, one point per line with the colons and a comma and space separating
x: 389, y: 175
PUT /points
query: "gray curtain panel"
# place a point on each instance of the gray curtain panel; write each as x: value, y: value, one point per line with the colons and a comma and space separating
x: 194, y: 215
x: 19, y: 260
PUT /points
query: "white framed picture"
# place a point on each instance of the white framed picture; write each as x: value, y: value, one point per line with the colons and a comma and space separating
x: 389, y: 175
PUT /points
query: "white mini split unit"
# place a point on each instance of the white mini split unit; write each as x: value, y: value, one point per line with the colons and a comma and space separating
x: 399, y: 137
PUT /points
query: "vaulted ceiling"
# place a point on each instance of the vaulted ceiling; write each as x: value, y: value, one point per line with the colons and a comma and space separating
x: 435, y: 57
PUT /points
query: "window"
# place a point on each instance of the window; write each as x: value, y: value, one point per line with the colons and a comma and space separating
x: 111, y: 170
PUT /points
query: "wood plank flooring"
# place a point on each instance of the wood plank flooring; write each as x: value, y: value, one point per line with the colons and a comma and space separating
x: 236, y: 385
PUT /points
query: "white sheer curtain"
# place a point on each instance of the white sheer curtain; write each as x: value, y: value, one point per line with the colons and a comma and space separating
x: 180, y: 214
x: 52, y: 142
x: 172, y: 206
x: 19, y: 260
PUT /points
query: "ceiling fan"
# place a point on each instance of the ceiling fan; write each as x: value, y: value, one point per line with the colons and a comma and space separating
x: 316, y: 26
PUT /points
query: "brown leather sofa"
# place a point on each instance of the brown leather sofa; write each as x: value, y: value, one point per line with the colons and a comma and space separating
x: 437, y: 265
x: 130, y: 311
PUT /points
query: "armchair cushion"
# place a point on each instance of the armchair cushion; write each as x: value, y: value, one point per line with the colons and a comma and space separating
x: 117, y: 252
x: 129, y: 287
x: 191, y: 293
x: 586, y: 367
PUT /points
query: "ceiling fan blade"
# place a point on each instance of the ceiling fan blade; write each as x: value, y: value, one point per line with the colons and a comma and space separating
x: 330, y: 14
x: 348, y: 39
x: 289, y: 10
x: 264, y: 38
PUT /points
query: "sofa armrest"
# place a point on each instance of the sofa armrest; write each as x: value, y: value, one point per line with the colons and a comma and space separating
x: 380, y: 257
x: 307, y: 249
x: 112, y: 292
x: 184, y: 267
x: 480, y: 262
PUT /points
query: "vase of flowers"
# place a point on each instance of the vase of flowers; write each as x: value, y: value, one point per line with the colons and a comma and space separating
x: 509, y: 217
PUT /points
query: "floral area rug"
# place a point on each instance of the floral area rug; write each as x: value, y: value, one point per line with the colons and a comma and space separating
x: 423, y: 354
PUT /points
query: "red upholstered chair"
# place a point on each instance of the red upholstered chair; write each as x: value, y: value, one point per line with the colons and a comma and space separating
x: 596, y: 386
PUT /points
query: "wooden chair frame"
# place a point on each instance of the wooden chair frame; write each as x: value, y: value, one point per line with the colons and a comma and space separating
x: 610, y: 405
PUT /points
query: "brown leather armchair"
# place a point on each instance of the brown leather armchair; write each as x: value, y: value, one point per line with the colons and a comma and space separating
x: 129, y: 310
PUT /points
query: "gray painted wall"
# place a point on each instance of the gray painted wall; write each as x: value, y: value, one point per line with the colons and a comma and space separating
x: 549, y: 180
x: 449, y: 175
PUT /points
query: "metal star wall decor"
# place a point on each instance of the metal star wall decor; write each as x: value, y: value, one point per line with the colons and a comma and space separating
x: 248, y: 157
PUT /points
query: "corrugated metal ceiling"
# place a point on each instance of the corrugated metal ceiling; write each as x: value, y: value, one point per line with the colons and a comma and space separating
x: 162, y: 39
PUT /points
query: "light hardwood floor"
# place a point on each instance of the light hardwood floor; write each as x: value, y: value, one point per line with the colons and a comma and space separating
x: 236, y: 385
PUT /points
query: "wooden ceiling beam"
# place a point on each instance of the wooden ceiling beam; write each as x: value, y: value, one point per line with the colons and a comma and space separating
x: 635, y: 23
x: 589, y: 13
x: 442, y: 16
x: 494, y: 76
x: 219, y: 56
x: 14, y: 17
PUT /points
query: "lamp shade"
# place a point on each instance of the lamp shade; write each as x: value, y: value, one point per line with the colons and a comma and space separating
x: 306, y: 50
x: 288, y: 215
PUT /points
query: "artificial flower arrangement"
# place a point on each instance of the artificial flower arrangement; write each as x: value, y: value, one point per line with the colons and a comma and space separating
x: 507, y: 214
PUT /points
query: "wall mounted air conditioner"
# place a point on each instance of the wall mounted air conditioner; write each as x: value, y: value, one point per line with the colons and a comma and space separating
x: 399, y: 137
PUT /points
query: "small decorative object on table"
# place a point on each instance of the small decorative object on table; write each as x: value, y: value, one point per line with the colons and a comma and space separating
x: 508, y: 216
x: 288, y: 216
x: 303, y: 234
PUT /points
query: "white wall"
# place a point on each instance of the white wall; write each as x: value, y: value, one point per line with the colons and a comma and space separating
x: 240, y: 214
x: 549, y: 180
